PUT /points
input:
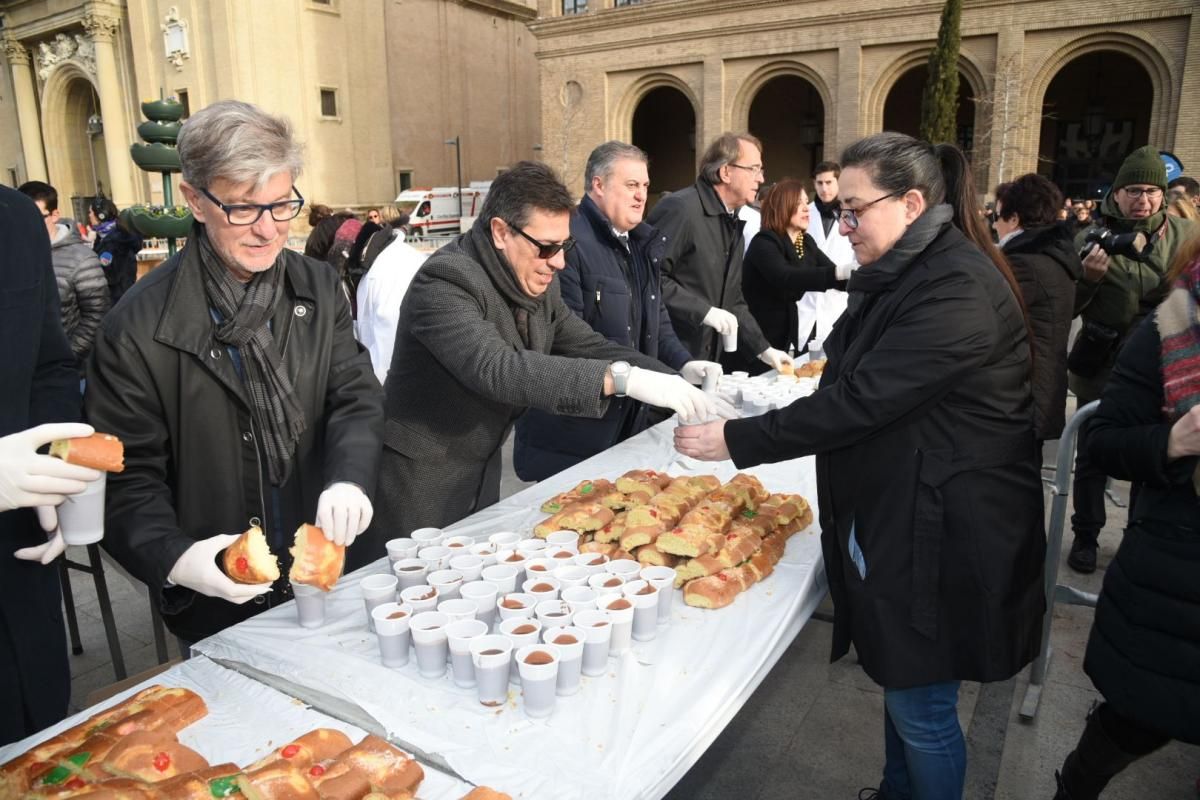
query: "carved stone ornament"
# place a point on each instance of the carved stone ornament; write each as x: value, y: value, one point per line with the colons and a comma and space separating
x: 15, y: 51
x: 75, y: 48
x: 101, y: 27
x: 175, y: 38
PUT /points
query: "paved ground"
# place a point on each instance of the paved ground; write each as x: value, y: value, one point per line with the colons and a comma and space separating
x: 813, y: 730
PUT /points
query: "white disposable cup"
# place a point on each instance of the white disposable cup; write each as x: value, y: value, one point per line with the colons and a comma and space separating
x: 531, y: 548
x: 468, y: 565
x: 622, y: 622
x: 539, y: 568
x: 740, y: 375
x: 491, y: 668
x: 567, y: 539
x: 81, y: 516
x: 421, y: 598
x: 644, y: 597
x: 377, y: 590
x: 598, y: 628
x: 708, y: 383
x: 402, y: 548
x: 427, y: 537
x: 663, y: 578
x: 411, y: 572
x: 560, y: 554
x: 816, y: 350
x: 458, y: 544
x: 485, y: 551
x: 729, y: 341
x: 507, y: 608
x: 570, y: 576
x: 394, y: 635
x: 446, y: 581
x: 530, y: 630
x: 502, y: 576
x: 627, y: 568
x: 310, y: 605
x: 579, y: 598
x: 570, y: 656
x: 532, y: 587
x: 429, y: 641
x: 458, y: 609
x: 505, y: 540
x: 598, y: 583
x: 592, y: 562
x: 437, y: 557
x: 483, y: 594
x: 512, y: 558
x: 553, y: 613
x: 539, y: 682
x: 459, y: 636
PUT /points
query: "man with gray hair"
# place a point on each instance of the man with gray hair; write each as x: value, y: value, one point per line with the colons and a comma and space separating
x: 702, y: 268
x: 232, y: 375
x: 484, y: 335
x: 612, y: 282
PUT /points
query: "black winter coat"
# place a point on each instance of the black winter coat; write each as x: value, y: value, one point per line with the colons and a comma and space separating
x: 161, y: 382
x: 1046, y: 266
x: 702, y: 268
x: 1144, y: 650
x: 619, y: 293
x: 774, y: 278
x: 923, y: 432
x: 118, y: 251
x: 41, y: 384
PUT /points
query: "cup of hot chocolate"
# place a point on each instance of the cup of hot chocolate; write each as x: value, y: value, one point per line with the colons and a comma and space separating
x: 569, y: 641
x: 470, y: 566
x: 538, y: 665
x: 502, y: 576
x: 459, y: 636
x: 310, y: 605
x: 391, y: 622
x: 579, y: 598
x: 644, y: 597
x: 400, y: 549
x: 597, y: 627
x: 605, y: 584
x: 539, y: 568
x: 520, y: 632
x: 567, y: 539
x: 484, y: 596
x: 421, y: 598
x: 620, y: 614
x: 505, y: 540
x: 542, y: 588
x: 377, y: 590
x: 457, y: 609
x: 458, y: 544
x: 446, y: 581
x: 625, y: 567
x: 592, y: 562
x: 429, y: 642
x: 492, y: 658
x: 436, y: 557
x: 553, y: 613
x: 428, y: 537
x: 516, y: 605
x: 410, y: 572
x: 531, y: 548
x: 662, y: 578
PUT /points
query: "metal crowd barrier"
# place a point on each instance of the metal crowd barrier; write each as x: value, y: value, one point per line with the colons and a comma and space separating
x: 1060, y: 492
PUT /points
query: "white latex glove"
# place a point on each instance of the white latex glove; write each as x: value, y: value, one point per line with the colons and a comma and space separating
x: 343, y: 512
x: 673, y: 392
x: 28, y: 478
x: 694, y: 372
x: 774, y: 358
x: 721, y: 321
x: 842, y: 271
x: 52, y: 549
x: 197, y: 570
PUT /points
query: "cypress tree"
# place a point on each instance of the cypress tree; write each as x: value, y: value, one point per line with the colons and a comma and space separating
x: 939, y: 101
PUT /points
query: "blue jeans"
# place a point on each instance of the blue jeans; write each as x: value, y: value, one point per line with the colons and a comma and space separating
x: 926, y: 755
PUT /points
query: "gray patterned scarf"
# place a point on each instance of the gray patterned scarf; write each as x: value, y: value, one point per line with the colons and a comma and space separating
x: 246, y: 310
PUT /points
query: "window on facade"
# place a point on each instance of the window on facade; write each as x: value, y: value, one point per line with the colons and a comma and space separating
x: 574, y: 6
x: 404, y: 180
x: 182, y: 95
x: 329, y: 106
x: 620, y: 3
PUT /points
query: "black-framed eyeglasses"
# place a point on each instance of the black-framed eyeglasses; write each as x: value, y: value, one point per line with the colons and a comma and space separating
x: 249, y: 213
x: 546, y: 249
x: 756, y: 169
x: 850, y: 216
x: 1136, y: 192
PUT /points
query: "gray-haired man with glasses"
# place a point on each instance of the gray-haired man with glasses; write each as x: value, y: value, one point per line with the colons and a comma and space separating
x: 232, y: 375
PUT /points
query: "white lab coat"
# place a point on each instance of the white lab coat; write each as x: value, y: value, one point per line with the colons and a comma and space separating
x: 822, y: 309
x: 379, y: 297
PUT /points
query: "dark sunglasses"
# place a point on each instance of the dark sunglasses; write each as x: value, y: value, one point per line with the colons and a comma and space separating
x: 545, y: 249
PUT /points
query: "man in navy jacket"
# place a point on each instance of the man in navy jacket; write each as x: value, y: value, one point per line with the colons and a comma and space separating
x: 612, y: 281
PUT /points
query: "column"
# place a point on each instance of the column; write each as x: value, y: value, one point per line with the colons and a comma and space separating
x: 103, y: 28
x: 28, y: 119
x: 847, y: 95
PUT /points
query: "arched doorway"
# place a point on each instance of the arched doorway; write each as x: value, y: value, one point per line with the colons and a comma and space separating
x: 902, y: 108
x: 75, y: 151
x: 788, y: 116
x: 1095, y: 112
x: 664, y: 125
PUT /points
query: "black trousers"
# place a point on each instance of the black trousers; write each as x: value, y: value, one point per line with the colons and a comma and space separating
x: 1087, y: 490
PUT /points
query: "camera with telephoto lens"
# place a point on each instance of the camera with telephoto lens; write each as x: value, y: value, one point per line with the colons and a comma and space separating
x: 1134, y: 245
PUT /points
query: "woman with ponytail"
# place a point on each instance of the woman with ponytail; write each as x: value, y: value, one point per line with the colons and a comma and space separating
x: 927, y: 471
x: 1143, y: 654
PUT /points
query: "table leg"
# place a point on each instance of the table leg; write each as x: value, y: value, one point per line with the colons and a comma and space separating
x: 106, y: 614
x: 69, y: 608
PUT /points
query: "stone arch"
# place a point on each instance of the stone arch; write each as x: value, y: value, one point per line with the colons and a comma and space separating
x: 622, y: 119
x: 877, y: 97
x: 1141, y: 49
x: 76, y: 163
x: 797, y: 158
x: 654, y: 116
x: 744, y: 97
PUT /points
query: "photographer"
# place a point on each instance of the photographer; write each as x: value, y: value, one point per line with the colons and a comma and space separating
x: 1122, y: 282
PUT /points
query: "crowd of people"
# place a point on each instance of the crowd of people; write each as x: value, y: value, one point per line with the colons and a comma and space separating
x: 370, y: 388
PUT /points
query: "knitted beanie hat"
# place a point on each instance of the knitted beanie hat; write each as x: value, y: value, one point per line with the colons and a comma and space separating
x: 1143, y: 165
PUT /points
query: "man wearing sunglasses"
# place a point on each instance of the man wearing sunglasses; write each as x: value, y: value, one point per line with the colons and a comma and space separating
x: 232, y: 375
x: 484, y: 334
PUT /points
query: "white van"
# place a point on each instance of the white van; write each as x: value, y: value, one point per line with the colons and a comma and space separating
x: 434, y: 212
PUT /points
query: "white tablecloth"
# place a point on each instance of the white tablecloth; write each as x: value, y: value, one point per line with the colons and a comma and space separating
x: 631, y: 733
x: 245, y: 721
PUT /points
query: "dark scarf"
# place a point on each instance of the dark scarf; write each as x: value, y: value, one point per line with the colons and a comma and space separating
x: 245, y: 310
x: 1179, y: 330
x: 477, y: 244
x: 828, y: 213
x: 878, y: 276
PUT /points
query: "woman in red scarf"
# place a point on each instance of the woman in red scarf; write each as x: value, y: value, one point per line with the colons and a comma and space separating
x: 1144, y: 651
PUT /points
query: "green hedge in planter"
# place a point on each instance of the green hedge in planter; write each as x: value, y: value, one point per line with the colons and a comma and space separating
x: 155, y: 157
x: 159, y: 222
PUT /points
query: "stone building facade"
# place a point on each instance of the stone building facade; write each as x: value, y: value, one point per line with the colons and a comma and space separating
x: 372, y: 87
x: 1046, y: 85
